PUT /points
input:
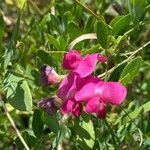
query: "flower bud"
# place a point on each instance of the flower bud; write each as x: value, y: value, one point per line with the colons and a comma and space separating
x: 49, y: 76
x: 51, y: 104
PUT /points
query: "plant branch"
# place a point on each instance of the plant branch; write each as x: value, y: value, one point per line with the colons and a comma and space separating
x: 14, y: 126
x: 89, y: 10
x: 129, y: 58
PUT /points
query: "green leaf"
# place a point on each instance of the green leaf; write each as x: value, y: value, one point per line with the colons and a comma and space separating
x: 89, y: 25
x: 37, y: 123
x: 121, y: 25
x: 131, y: 70
x: 137, y: 9
x: 62, y: 43
x: 52, y: 40
x: 29, y: 138
x: 63, y: 133
x: 52, y: 122
x: 73, y: 30
x: 20, y: 3
x: 56, y: 23
x: 115, y: 75
x: 137, y: 112
x: 12, y: 45
x: 86, y: 134
x: 113, y: 21
x: 1, y: 29
x: 102, y: 33
x: 18, y: 92
x: 45, y: 57
x: 91, y: 50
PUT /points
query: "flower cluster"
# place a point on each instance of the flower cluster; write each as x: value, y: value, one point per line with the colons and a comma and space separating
x: 80, y: 86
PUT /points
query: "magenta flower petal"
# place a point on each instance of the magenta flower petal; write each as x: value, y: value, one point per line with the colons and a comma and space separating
x: 97, y: 106
x: 86, y: 88
x: 71, y: 59
x: 70, y: 106
x: 77, y: 109
x: 101, y: 58
x: 67, y: 87
x: 86, y: 66
x: 49, y: 75
x: 67, y: 106
x: 92, y: 105
x: 101, y: 112
x: 113, y: 92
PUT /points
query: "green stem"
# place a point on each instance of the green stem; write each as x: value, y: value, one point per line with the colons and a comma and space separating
x: 128, y: 59
x: 35, y: 7
x: 89, y: 10
x: 14, y: 126
x: 107, y: 65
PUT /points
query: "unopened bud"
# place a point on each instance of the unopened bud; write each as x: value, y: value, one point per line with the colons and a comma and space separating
x: 49, y: 75
x: 51, y: 104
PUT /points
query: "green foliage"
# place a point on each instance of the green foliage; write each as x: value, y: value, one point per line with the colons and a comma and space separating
x: 1, y: 28
x: 37, y: 123
x: 140, y: 110
x: 33, y: 33
x: 131, y: 70
x: 137, y: 9
x: 18, y: 92
x: 85, y: 134
x: 102, y: 34
x: 120, y: 24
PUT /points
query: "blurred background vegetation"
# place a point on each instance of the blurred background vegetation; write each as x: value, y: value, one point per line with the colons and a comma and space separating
x: 40, y: 32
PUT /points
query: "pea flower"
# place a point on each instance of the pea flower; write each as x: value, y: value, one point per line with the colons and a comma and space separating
x: 49, y: 75
x: 82, y: 66
x: 66, y: 92
x: 73, y: 107
x: 80, y: 86
x: 97, y: 94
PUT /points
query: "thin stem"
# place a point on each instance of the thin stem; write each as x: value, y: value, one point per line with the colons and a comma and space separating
x: 112, y: 133
x: 89, y: 10
x: 14, y: 126
x: 107, y: 65
x: 129, y: 58
x: 35, y: 7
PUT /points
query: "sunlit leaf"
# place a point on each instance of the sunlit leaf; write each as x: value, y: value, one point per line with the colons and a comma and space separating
x: 86, y: 134
x: 137, y: 112
x: 131, y: 70
x: 121, y: 25
x: 18, y: 92
x: 102, y: 33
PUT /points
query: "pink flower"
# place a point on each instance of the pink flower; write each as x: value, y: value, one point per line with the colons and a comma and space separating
x: 82, y: 66
x: 71, y: 106
x: 66, y: 92
x: 97, y: 93
x: 49, y: 75
x: 95, y: 105
x: 81, y: 87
